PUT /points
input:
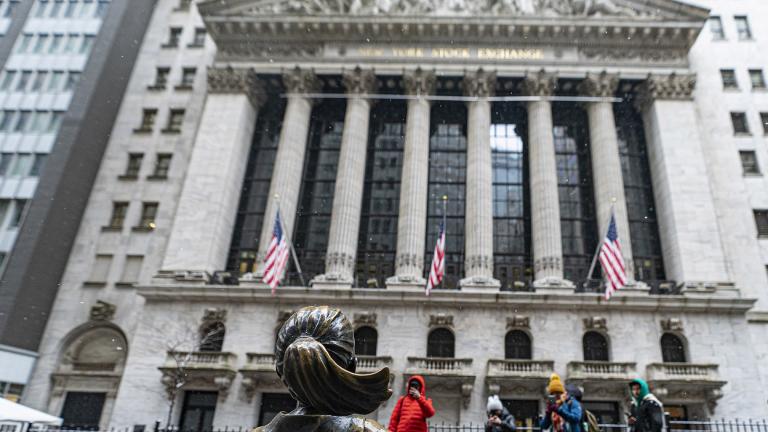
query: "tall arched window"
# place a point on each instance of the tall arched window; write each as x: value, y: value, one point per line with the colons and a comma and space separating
x: 595, y: 347
x: 212, y: 337
x: 440, y: 343
x: 366, y: 339
x: 672, y: 349
x: 517, y: 345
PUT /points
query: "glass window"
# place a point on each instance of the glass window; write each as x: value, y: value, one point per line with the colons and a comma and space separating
x: 85, y: 47
x: 19, y: 206
x: 672, y: 349
x: 100, y: 270
x: 175, y: 120
x: 739, y: 121
x: 764, y: 121
x: 161, y: 77
x: 55, y: 84
x: 148, y: 215
x: 40, y: 120
x: 184, y: 5
x: 42, y: 39
x: 24, y: 43
x: 23, y: 163
x: 595, y: 347
x: 174, y: 35
x: 4, y: 205
x: 6, y: 120
x: 742, y: 27
x: 55, y: 123
x: 5, y: 162
x: 72, y: 41
x: 101, y: 8
x: 39, y: 80
x: 119, y: 211
x: 147, y: 119
x: 447, y: 177
x: 37, y: 165
x: 197, y: 411
x: 8, y: 79
x: 716, y: 28
x: 85, y: 9
x: 729, y: 79
x: 22, y: 122
x: 517, y: 345
x: 255, y: 190
x: 56, y: 8
x: 757, y: 78
x: 72, y: 79
x: 440, y: 343
x: 377, y: 238
x: 24, y: 79
x: 132, y: 269
x: 42, y: 5
x: 162, y: 164
x: 199, y: 39
x: 188, y: 77
x: 69, y: 12
x: 212, y: 337
x: 749, y: 162
x: 761, y: 219
x: 134, y: 165
x: 366, y: 339
x: 55, y: 45
x: 82, y: 411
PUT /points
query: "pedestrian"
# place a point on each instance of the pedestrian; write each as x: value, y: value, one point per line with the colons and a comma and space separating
x: 412, y: 410
x: 589, y: 422
x: 563, y: 412
x: 647, y: 411
x: 499, y: 418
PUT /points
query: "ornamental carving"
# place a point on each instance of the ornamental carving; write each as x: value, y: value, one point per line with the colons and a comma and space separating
x: 599, y: 85
x: 441, y: 320
x: 419, y: 82
x: 365, y: 318
x: 102, y: 311
x: 360, y: 81
x: 518, y: 321
x: 539, y: 83
x: 595, y: 323
x: 551, y: 8
x: 300, y: 80
x: 212, y: 315
x: 255, y: 49
x: 547, y: 263
x: 666, y: 87
x: 635, y: 54
x: 339, y: 260
x: 409, y: 260
x: 478, y: 262
x: 672, y: 324
x: 479, y: 83
x: 230, y: 80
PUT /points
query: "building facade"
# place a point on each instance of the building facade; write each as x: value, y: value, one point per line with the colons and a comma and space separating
x: 524, y: 125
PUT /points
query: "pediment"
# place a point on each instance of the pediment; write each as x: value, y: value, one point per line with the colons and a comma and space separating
x: 625, y: 10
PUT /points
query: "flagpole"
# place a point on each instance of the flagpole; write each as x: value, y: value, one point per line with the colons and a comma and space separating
x: 600, y: 243
x: 445, y: 203
x: 290, y: 243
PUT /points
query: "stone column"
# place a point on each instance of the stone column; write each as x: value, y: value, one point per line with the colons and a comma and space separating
x: 688, y: 226
x: 545, y: 205
x: 289, y: 160
x: 478, y: 212
x: 205, y: 216
x: 606, y: 162
x: 412, y: 220
x: 350, y: 177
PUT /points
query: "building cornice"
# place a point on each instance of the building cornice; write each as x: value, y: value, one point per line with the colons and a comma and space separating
x: 622, y: 302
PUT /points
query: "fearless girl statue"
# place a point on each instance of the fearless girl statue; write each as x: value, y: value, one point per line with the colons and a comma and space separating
x: 315, y: 359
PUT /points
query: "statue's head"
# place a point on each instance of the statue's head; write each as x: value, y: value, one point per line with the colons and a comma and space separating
x: 315, y: 356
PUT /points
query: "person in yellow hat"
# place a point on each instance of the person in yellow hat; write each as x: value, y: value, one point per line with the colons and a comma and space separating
x: 563, y: 411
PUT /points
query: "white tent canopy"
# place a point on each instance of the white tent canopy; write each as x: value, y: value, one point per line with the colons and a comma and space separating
x: 12, y: 411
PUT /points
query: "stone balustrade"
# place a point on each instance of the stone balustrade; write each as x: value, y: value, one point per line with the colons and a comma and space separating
x: 682, y: 371
x: 260, y: 361
x: 602, y: 370
x: 367, y: 364
x: 200, y: 360
x: 520, y: 368
x: 439, y: 366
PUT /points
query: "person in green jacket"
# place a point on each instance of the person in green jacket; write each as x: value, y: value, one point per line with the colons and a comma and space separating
x: 647, y: 411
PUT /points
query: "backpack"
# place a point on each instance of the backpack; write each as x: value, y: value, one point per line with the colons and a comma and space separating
x: 590, y: 422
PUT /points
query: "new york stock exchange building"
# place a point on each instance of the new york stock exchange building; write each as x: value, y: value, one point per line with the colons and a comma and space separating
x: 524, y: 124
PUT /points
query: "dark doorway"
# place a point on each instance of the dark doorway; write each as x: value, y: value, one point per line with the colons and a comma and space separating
x: 526, y: 412
x: 273, y: 404
x: 606, y: 412
x: 197, y: 411
x: 82, y: 411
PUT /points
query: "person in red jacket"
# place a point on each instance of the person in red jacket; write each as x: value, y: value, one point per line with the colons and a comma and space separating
x: 412, y: 410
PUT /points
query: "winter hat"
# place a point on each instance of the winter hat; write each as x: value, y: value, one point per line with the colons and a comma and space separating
x: 494, y: 404
x: 555, y: 385
x: 644, y: 390
x: 574, y: 391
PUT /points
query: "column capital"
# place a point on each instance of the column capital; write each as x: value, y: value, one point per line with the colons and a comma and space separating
x: 479, y: 83
x: 419, y: 82
x: 228, y: 80
x: 298, y: 80
x: 539, y: 83
x: 665, y: 87
x: 360, y: 81
x: 600, y: 84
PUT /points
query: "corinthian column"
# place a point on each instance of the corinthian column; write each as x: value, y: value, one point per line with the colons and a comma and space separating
x: 412, y: 220
x: 350, y: 176
x: 289, y: 160
x: 545, y: 206
x: 606, y: 162
x: 478, y: 225
x: 205, y: 217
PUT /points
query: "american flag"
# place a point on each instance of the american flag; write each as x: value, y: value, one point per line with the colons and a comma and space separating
x: 277, y: 256
x: 612, y: 261
x: 438, y: 261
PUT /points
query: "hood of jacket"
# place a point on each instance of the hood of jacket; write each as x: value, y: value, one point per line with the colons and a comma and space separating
x: 644, y: 391
x: 421, y: 381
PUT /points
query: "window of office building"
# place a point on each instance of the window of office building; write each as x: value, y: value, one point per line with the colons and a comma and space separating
x: 188, y: 77
x: 133, y: 166
x: 749, y: 163
x: 742, y: 27
x: 199, y: 38
x: 175, y: 120
x: 174, y: 35
x: 739, y: 121
x: 119, y: 210
x: 764, y: 121
x: 761, y: 220
x: 162, y: 165
x: 729, y: 79
x: 757, y: 79
x: 716, y: 28
x: 148, y: 215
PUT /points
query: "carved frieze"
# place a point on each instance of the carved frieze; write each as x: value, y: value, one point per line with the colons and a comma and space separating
x: 479, y: 84
x: 672, y: 324
x: 633, y: 54
x: 359, y: 81
x: 409, y: 260
x: 599, y: 85
x: 595, y: 323
x: 478, y: 262
x: 539, y: 83
x: 419, y: 82
x: 665, y: 87
x: 547, y: 263
x: 365, y: 318
x: 102, y: 311
x: 441, y: 320
x: 212, y: 315
x: 518, y: 321
x: 299, y: 80
x: 240, y: 80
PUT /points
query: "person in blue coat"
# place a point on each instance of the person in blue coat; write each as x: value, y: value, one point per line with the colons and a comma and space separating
x: 564, y: 412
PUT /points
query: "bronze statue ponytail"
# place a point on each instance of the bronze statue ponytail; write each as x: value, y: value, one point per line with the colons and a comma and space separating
x: 316, y: 361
